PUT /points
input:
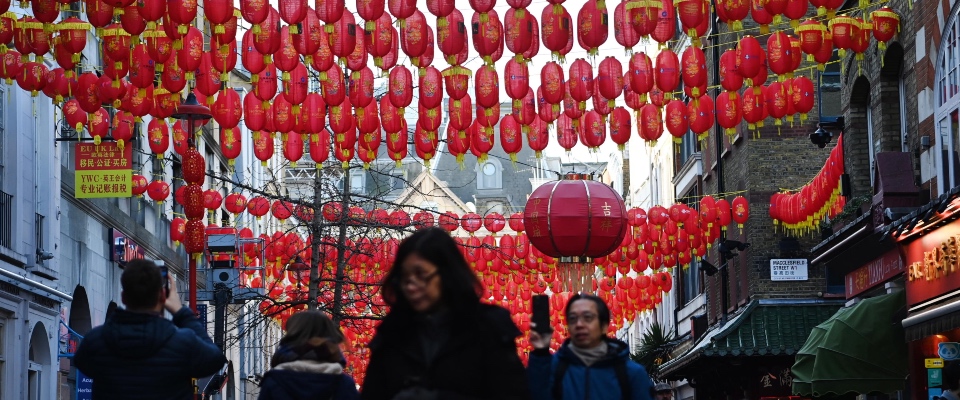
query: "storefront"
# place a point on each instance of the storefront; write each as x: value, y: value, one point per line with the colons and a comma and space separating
x: 932, y: 323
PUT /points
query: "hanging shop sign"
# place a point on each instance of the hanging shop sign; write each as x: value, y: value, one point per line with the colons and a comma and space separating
x: 103, y: 170
x: 878, y: 271
x: 933, y: 264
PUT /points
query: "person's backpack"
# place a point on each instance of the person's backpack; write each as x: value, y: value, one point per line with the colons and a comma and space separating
x: 619, y: 368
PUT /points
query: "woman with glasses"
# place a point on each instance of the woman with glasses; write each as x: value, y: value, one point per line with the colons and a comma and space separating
x: 589, y: 365
x: 438, y: 341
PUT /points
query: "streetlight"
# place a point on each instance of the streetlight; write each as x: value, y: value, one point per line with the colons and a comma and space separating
x: 192, y: 112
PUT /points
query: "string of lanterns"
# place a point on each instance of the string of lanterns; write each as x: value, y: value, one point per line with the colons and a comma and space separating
x: 801, y: 211
x: 287, y: 44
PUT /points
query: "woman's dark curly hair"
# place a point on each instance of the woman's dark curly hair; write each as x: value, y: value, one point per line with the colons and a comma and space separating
x: 460, y: 287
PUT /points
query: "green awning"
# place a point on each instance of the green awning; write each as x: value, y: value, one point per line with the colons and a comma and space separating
x: 858, y: 350
x: 765, y: 327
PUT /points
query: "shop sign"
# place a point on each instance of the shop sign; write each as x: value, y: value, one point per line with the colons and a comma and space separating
x: 124, y: 248
x: 84, y: 386
x: 933, y: 264
x: 788, y: 269
x: 103, y: 170
x: 875, y: 272
x: 948, y: 350
x: 933, y: 363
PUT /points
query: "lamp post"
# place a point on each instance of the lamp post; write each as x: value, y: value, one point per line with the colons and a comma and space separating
x: 192, y: 112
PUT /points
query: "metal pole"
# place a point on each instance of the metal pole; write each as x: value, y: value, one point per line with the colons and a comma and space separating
x: 314, y: 288
x: 342, y: 248
x: 221, y: 298
x: 192, y: 267
x: 718, y: 143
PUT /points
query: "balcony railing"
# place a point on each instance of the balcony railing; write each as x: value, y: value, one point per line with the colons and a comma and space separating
x: 6, y: 220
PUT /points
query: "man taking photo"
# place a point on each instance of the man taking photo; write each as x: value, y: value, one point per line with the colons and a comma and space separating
x: 139, y: 354
x: 589, y: 365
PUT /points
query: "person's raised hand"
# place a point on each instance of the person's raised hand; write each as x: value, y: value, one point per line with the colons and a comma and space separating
x: 172, y: 303
x: 539, y: 340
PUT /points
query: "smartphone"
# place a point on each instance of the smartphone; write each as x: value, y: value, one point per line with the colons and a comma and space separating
x: 541, y: 313
x: 164, y: 275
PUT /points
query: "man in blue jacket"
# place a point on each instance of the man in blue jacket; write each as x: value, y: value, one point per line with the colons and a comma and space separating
x: 589, y: 365
x: 139, y: 354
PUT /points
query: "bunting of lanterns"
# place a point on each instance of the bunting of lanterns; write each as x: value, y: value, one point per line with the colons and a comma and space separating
x: 633, y: 277
x: 801, y: 211
x: 293, y: 40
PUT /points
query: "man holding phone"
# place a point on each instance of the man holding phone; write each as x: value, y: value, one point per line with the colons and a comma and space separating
x: 139, y: 354
x: 589, y: 365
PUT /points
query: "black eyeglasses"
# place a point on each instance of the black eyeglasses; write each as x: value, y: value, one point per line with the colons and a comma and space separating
x: 418, y: 280
x: 587, y: 318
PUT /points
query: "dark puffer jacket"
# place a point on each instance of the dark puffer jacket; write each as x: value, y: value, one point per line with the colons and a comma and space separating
x: 142, y: 356
x: 304, y: 380
x: 472, y: 357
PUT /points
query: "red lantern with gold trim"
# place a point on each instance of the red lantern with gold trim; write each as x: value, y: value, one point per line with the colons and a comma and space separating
x: 803, y: 96
x: 557, y: 27
x: 487, y: 89
x: 650, y: 123
x: 694, y: 70
x: 158, y: 137
x: 158, y: 191
x: 620, y: 127
x: 139, y: 183
x: 886, y: 24
x: 675, y: 118
x: 779, y: 53
x: 728, y: 111
x: 740, y: 211
x: 581, y: 83
x: 700, y: 115
x: 610, y: 80
x: 592, y: 25
x: 667, y: 71
x: 749, y: 57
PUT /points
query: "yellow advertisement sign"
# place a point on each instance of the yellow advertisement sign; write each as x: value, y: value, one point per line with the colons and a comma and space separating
x: 104, y: 183
x: 933, y: 362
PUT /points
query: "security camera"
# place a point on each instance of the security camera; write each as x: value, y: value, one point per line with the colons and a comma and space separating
x: 44, y: 255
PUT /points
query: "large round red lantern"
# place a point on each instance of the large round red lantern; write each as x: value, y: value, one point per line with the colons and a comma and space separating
x: 595, y: 219
x: 158, y: 191
x: 740, y: 211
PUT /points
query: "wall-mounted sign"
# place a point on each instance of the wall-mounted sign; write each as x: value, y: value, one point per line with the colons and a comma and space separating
x: 788, y: 269
x: 873, y: 273
x: 933, y: 264
x: 933, y: 363
x: 103, y: 170
x: 948, y: 350
x: 123, y: 249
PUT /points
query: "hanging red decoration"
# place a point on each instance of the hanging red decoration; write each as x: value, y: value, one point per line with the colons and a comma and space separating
x: 592, y: 22
x: 586, y: 205
x: 449, y: 221
x: 694, y: 69
x: 700, y: 116
x: 650, y: 123
x: 556, y: 26
x: 728, y: 111
x: 620, y: 127
x: 740, y: 211
x: 581, y: 83
x: 675, y: 118
x: 158, y: 137
x: 667, y: 72
x: 623, y: 30
x: 802, y: 96
x: 158, y: 191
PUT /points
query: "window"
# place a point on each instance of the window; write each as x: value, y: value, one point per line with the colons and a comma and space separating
x: 489, y: 175
x: 357, y: 181
x: 398, y: 180
x: 40, y: 236
x: 430, y: 206
x: 947, y: 116
x: 3, y: 350
x: 689, y: 146
x: 690, y: 282
x: 829, y: 91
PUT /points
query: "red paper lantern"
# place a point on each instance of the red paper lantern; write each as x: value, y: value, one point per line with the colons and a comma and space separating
x: 728, y: 111
x: 235, y: 203
x: 666, y: 27
x: 844, y: 30
x: 518, y: 30
x: 780, y: 53
x: 557, y: 27
x: 803, y: 96
x: 470, y: 222
x: 487, y: 35
x: 650, y: 123
x: 487, y: 88
x: 401, y: 87
x: 592, y: 24
x: 623, y: 30
x: 749, y: 57
x: 700, y: 115
x: 754, y: 110
x: 610, y: 80
x: 517, y: 80
x: 694, y: 69
x: 593, y: 213
x: 675, y: 118
x: 194, y: 237
x: 740, y: 211
x: 423, y: 219
x: 667, y: 71
x: 158, y: 191
x: 620, y: 127
x: 581, y: 83
x: 449, y: 221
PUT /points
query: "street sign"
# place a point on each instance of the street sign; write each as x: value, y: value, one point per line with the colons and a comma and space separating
x: 933, y: 363
x: 103, y: 170
x: 788, y: 269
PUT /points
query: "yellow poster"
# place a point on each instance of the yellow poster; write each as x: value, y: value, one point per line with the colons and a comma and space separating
x: 104, y: 183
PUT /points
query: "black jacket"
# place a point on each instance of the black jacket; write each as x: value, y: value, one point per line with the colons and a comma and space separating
x: 476, y: 359
x: 307, y: 383
x: 142, y: 356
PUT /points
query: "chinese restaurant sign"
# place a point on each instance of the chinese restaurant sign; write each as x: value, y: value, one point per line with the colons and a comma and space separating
x: 873, y: 273
x: 103, y: 170
x: 933, y: 264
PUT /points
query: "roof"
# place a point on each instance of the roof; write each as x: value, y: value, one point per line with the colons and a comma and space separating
x: 766, y: 327
x: 416, y: 187
x: 771, y: 330
x: 929, y: 216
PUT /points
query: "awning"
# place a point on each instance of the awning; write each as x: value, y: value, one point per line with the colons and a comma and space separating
x: 766, y: 327
x: 943, y: 317
x: 860, y: 349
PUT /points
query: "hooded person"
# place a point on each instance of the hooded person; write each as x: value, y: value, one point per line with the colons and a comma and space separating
x: 308, y: 364
x: 139, y: 354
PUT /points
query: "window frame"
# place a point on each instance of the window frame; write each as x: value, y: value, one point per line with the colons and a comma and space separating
x: 495, y: 180
x: 820, y: 79
x: 947, y: 95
